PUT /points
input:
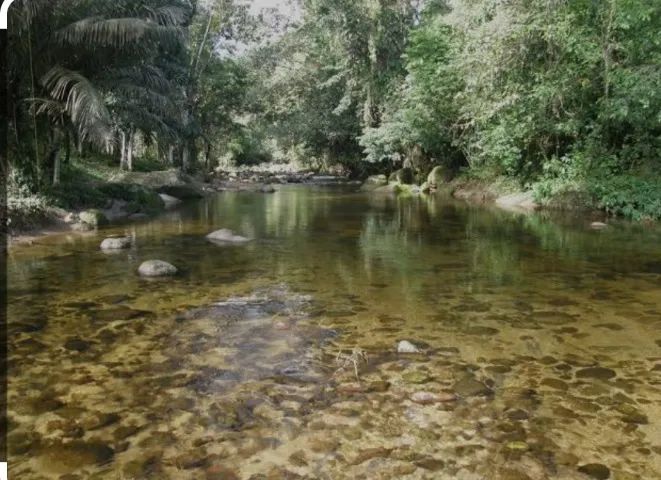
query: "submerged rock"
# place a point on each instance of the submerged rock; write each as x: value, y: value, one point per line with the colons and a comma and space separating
x: 426, y: 398
x: 599, y: 373
x: 225, y: 235
x: 267, y: 189
x: 369, y: 453
x: 595, y: 470
x: 405, y: 346
x: 157, y: 268
x: 69, y: 457
x: 469, y: 387
x: 77, y: 344
x: 116, y: 243
x: 598, y: 225
x: 416, y: 376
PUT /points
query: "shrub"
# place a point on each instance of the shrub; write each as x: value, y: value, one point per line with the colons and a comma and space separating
x: 630, y: 196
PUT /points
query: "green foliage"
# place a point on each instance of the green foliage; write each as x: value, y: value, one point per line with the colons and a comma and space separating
x: 629, y: 196
x: 246, y: 148
x: 562, y: 96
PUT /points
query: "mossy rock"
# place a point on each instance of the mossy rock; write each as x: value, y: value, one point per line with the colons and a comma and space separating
x: 93, y: 217
x: 439, y: 175
x: 373, y: 182
x: 402, y: 176
x: 183, y: 192
x: 139, y: 198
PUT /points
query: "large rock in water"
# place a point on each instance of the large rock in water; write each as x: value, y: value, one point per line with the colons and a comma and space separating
x: 403, y: 175
x: 521, y: 201
x: 405, y: 346
x: 225, y: 235
x: 171, y: 182
x: 116, y: 243
x: 439, y: 176
x: 156, y: 268
x: 373, y: 182
x: 94, y: 218
x: 169, y: 200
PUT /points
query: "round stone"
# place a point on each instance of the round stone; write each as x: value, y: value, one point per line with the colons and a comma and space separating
x: 116, y: 243
x: 156, y: 268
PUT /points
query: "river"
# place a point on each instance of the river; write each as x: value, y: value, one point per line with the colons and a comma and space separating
x: 539, y: 345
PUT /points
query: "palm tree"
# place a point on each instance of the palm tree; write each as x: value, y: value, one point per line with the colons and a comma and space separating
x: 93, y: 71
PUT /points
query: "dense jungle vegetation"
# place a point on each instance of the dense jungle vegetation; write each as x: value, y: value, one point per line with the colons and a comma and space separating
x: 561, y: 97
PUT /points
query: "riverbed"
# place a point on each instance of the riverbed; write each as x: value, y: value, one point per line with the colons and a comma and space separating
x: 537, y: 345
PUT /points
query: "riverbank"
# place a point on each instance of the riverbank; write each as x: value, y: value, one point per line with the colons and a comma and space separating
x: 631, y: 198
x: 86, y: 202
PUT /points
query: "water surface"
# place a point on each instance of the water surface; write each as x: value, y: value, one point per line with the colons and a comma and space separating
x: 540, y: 345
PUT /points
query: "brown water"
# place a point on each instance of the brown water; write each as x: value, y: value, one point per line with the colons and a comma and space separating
x: 540, y: 345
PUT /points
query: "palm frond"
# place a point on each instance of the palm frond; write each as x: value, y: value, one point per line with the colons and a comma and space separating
x: 168, y: 15
x: 148, y: 76
x: 116, y: 32
x: 82, y: 102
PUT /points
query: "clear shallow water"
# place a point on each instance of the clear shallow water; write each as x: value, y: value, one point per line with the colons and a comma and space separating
x: 541, y: 345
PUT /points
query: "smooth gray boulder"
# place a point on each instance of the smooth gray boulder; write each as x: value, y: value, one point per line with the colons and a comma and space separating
x: 598, y: 225
x: 157, y: 268
x: 169, y: 200
x: 93, y: 217
x: 116, y: 243
x: 225, y: 235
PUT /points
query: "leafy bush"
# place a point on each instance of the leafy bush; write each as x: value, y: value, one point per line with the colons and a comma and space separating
x: 26, y: 212
x: 630, y: 196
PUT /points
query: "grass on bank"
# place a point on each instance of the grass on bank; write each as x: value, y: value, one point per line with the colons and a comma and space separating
x: 84, y: 184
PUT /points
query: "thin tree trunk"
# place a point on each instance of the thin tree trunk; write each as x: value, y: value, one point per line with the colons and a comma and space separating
x: 67, y: 146
x: 185, y: 158
x: 207, y: 156
x: 607, y: 48
x: 129, y: 154
x: 171, y: 155
x: 122, y: 160
x: 56, y: 166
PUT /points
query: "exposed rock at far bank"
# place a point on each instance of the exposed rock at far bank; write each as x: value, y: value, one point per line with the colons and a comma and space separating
x: 520, y: 201
x: 93, y: 217
x: 170, y: 182
x: 373, y: 182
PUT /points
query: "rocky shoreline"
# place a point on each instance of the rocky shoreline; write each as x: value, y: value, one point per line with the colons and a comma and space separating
x: 170, y: 189
x: 173, y: 187
x: 500, y: 194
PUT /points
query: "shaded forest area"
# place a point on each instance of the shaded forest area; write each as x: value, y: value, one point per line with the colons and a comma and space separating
x: 559, y: 97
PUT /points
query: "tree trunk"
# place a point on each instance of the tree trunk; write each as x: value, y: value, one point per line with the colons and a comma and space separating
x: 122, y: 160
x: 185, y: 158
x: 129, y: 153
x: 67, y: 146
x: 207, y: 156
x: 171, y: 155
x: 56, y: 166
